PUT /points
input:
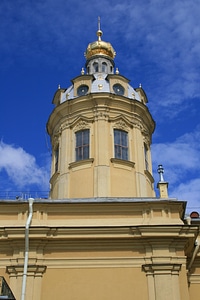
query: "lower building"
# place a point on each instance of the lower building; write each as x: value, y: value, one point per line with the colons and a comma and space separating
x: 103, y: 248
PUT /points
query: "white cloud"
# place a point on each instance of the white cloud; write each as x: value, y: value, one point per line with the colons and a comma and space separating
x: 181, y: 160
x: 21, y: 168
x: 189, y: 191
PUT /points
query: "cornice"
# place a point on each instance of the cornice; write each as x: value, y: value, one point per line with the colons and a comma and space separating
x: 100, y: 103
x: 72, y: 232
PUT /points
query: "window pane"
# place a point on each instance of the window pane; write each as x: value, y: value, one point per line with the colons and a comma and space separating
x: 78, y: 138
x: 117, y: 151
x: 124, y: 138
x: 85, y: 137
x: 117, y: 136
x: 85, y: 152
x: 125, y: 153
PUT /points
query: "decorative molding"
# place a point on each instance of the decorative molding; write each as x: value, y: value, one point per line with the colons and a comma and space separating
x: 98, y: 262
x: 137, y: 124
x: 155, y: 269
x: 64, y: 126
x: 121, y: 124
x: 81, y: 125
x: 18, y: 269
x: 193, y: 278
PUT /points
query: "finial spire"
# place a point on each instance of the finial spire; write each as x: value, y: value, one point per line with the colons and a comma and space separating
x: 99, y: 23
x: 160, y: 172
x: 99, y: 32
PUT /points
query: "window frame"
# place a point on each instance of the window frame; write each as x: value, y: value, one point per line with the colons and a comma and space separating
x: 82, y: 144
x: 121, y: 145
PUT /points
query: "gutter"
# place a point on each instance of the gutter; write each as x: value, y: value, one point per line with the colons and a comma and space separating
x: 196, y: 249
x: 26, y: 254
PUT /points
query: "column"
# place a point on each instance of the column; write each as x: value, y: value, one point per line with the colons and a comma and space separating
x: 163, y: 281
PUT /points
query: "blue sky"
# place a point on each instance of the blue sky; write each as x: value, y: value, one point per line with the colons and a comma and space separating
x: 42, y: 45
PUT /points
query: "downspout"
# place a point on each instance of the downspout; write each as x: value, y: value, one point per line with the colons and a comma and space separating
x: 28, y: 222
x: 196, y: 249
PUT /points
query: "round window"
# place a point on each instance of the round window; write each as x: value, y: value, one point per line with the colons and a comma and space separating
x: 118, y: 89
x: 82, y: 90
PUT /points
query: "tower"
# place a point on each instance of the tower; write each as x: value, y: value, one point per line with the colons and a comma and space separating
x: 100, y: 132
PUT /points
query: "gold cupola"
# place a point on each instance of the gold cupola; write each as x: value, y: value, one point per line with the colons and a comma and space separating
x: 100, y: 47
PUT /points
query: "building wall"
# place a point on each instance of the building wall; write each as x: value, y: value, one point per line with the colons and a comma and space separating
x: 95, y: 283
x: 99, y: 249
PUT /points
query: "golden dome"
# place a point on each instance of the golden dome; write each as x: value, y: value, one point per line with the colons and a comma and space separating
x: 100, y: 47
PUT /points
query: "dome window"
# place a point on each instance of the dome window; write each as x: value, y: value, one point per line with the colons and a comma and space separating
x: 82, y: 90
x: 118, y: 89
x: 104, y: 67
x: 96, y: 67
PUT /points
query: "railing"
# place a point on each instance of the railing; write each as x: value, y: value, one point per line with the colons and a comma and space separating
x: 5, y: 291
x: 23, y: 195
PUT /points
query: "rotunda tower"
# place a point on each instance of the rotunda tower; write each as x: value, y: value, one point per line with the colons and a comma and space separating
x: 100, y: 132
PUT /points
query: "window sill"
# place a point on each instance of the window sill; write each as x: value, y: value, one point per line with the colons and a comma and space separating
x: 148, y: 174
x: 83, y: 162
x: 54, y: 176
x: 123, y: 162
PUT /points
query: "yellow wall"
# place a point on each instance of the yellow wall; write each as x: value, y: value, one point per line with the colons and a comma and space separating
x: 91, y: 283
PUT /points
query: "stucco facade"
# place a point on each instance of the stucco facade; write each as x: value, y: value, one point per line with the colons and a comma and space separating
x: 105, y: 248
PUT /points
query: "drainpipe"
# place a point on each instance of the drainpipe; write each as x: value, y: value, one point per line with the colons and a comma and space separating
x: 28, y: 222
x: 196, y: 249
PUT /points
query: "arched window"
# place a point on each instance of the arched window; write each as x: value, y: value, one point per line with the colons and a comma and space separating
x: 121, y: 144
x: 82, y: 144
x: 104, y: 67
x: 96, y: 67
